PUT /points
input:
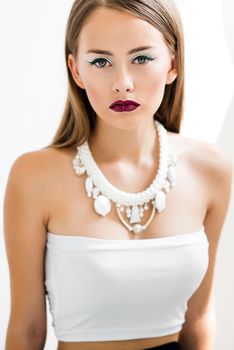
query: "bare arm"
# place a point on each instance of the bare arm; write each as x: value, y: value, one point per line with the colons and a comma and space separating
x: 198, y: 332
x: 24, y: 231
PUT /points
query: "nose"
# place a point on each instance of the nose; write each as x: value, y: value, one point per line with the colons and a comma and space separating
x: 123, y: 82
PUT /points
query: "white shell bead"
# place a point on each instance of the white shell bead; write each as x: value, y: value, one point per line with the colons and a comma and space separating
x: 102, y: 205
x: 89, y: 186
x: 167, y: 186
x: 153, y: 189
x: 80, y: 170
x: 148, y: 192
x: 137, y: 228
x: 171, y: 174
x: 160, y: 201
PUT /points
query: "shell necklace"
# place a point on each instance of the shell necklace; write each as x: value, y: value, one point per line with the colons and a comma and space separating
x: 134, y: 204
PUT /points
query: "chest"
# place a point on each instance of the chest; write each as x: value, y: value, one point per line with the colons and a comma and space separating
x: 71, y: 212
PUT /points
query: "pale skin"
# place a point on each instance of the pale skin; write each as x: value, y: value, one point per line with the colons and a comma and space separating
x: 44, y: 194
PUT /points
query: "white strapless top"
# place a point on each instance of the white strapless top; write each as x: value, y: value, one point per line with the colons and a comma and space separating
x: 108, y: 289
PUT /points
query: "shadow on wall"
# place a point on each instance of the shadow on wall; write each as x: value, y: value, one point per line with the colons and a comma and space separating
x: 226, y: 139
x: 224, y: 282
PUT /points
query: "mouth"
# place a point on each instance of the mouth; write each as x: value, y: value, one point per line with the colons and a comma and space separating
x: 124, y: 106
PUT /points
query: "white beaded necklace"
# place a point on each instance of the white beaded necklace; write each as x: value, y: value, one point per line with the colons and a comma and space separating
x: 103, y: 192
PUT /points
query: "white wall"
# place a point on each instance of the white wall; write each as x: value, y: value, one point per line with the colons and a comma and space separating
x: 33, y: 89
x: 224, y: 277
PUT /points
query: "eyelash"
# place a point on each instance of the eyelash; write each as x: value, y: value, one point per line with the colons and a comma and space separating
x: 97, y: 60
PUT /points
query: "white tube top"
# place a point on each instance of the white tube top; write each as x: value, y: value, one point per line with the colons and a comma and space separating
x: 105, y: 289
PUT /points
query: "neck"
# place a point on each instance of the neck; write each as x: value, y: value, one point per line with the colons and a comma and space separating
x: 137, y: 146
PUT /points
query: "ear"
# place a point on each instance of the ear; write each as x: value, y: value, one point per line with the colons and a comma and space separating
x: 74, y: 71
x: 172, y: 73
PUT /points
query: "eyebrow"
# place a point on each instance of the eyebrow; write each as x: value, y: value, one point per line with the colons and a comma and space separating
x: 105, y: 52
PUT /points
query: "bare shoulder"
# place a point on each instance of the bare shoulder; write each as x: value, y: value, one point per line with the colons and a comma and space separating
x: 41, y: 159
x: 209, y: 159
x: 35, y: 168
x: 24, y: 240
x: 25, y: 219
x: 215, y: 168
x: 29, y: 163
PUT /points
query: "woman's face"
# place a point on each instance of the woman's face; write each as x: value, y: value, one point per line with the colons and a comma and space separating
x: 119, y: 75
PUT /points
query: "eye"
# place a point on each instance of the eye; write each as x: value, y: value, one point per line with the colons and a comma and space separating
x: 144, y: 58
x: 102, y: 61
x: 98, y: 60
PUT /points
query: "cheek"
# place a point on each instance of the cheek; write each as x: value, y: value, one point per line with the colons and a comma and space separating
x: 95, y: 95
x: 154, y: 78
x: 91, y: 83
x: 152, y: 89
x: 153, y: 83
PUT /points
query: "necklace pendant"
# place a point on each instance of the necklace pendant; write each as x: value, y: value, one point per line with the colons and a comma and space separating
x: 102, y: 205
x: 89, y: 186
x: 160, y: 201
x: 78, y: 166
x: 135, y: 215
x: 137, y: 228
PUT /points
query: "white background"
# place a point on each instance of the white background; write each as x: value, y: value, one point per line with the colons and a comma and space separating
x: 32, y: 96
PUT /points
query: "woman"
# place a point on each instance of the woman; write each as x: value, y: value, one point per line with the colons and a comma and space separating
x: 132, y: 267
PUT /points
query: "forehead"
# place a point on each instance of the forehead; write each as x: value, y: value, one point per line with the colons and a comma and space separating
x: 110, y: 26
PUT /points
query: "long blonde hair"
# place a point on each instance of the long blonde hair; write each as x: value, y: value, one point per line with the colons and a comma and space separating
x: 79, y: 118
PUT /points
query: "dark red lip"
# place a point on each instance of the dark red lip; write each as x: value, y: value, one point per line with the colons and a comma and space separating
x: 124, y: 103
x: 124, y: 108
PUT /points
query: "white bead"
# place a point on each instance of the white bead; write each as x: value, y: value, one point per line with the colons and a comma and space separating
x: 135, y: 215
x: 137, y: 228
x: 160, y: 201
x: 153, y: 189
x: 89, y: 186
x: 166, y: 186
x: 102, y: 205
x: 171, y: 174
x: 80, y: 170
x: 148, y: 192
